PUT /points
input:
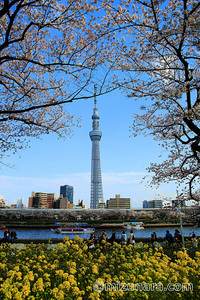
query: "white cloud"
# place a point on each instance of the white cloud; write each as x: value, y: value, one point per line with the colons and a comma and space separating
x: 122, y: 178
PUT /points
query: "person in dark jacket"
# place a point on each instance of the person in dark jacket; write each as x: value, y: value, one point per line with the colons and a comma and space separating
x: 13, y: 235
x: 153, y: 239
x: 177, y: 237
x: 112, y: 239
x: 6, y: 238
x: 169, y: 237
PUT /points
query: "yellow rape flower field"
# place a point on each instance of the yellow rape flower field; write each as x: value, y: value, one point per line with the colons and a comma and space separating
x: 72, y: 271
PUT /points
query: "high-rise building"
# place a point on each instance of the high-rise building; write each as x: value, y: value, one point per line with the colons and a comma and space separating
x: 96, y: 182
x: 42, y: 200
x: 155, y: 203
x: 145, y: 204
x: 68, y: 192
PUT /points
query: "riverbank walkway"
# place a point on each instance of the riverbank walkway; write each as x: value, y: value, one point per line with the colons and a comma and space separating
x: 60, y: 240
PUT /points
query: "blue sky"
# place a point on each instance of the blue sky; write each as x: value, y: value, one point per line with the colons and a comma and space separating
x: 51, y: 162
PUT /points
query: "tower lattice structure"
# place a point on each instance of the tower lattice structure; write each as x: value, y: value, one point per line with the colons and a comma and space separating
x: 96, y: 181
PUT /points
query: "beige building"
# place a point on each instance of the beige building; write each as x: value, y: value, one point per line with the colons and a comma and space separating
x: 100, y: 204
x: 118, y: 203
x: 64, y: 203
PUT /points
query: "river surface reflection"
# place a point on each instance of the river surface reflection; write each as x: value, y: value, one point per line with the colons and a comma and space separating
x: 39, y: 233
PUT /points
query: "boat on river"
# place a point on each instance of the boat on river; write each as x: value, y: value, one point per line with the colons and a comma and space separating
x: 133, y: 225
x: 72, y: 230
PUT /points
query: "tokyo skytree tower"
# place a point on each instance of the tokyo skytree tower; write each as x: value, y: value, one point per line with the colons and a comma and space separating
x: 96, y: 182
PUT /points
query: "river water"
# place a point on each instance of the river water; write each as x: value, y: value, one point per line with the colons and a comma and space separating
x: 39, y: 233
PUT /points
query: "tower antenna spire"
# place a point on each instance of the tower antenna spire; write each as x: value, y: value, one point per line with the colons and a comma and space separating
x: 95, y: 96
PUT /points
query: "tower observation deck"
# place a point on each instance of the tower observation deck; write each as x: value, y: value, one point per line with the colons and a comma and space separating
x: 96, y: 182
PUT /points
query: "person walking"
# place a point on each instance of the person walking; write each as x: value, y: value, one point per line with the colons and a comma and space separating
x: 131, y: 239
x: 194, y: 240
x: 92, y: 240
x: 104, y: 236
x: 123, y: 238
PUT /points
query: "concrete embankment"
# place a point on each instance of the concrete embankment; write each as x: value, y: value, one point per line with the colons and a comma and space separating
x: 144, y: 225
x: 96, y: 226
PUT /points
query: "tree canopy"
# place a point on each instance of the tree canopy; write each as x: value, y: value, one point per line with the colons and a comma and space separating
x: 155, y: 45
x: 48, y: 57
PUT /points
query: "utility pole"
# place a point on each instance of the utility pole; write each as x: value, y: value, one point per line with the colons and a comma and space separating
x: 181, y: 224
